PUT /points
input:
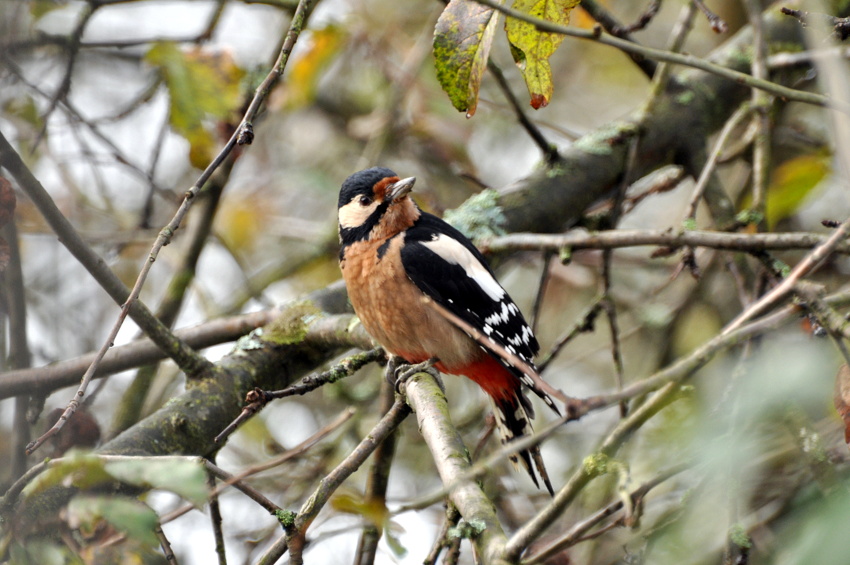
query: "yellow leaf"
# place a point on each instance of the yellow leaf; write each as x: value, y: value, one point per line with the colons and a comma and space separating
x: 322, y: 47
x: 462, y: 41
x: 201, y: 85
x: 532, y: 48
x: 351, y: 503
x: 241, y: 221
x: 792, y: 181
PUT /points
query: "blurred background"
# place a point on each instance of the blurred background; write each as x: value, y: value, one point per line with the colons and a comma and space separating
x: 116, y: 107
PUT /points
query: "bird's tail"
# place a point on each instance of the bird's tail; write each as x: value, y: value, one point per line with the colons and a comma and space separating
x: 513, y: 420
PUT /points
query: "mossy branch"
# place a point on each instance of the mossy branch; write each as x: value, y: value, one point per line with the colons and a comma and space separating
x: 453, y: 464
x: 188, y: 424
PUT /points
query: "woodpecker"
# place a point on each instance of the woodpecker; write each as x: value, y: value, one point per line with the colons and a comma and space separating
x: 395, y: 258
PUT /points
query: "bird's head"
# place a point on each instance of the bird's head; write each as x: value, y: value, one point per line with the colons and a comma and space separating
x: 373, y: 204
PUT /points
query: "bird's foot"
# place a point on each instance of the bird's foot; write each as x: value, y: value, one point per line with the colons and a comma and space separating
x: 404, y: 372
x: 393, y: 364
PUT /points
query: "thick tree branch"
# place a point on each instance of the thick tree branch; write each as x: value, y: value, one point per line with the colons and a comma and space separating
x: 183, y: 355
x: 698, y: 100
x: 295, y: 343
x: 296, y: 536
x: 452, y: 460
x: 46, y: 379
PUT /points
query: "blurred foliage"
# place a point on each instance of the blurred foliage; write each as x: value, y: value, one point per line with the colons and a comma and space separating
x: 127, y: 515
x: 319, y: 49
x: 150, y: 99
x: 792, y: 182
x: 201, y: 85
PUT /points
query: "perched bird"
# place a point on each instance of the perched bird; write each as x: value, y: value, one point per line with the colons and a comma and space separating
x: 394, y: 258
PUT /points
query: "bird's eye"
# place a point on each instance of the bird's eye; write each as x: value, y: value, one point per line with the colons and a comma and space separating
x: 365, y: 200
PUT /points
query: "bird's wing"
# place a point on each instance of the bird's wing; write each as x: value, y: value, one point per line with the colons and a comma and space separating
x: 445, y: 265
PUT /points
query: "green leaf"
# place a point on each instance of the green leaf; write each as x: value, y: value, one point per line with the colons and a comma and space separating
x: 200, y: 86
x: 39, y: 8
x: 24, y: 109
x: 80, y: 470
x: 749, y: 216
x: 792, y: 181
x: 185, y: 477
x: 371, y: 509
x: 532, y: 48
x: 42, y: 552
x: 391, y: 531
x: 462, y: 41
x: 127, y: 515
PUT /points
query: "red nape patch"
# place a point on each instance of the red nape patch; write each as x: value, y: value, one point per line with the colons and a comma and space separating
x: 380, y: 188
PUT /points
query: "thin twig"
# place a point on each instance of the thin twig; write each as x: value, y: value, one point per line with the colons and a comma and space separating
x: 584, y: 324
x: 810, y: 262
x: 442, y: 540
x: 708, y: 170
x: 675, y: 58
x: 642, y: 21
x: 607, y: 302
x: 376, y: 485
x: 751, y: 242
x: 550, y: 152
x: 761, y: 103
x: 297, y: 451
x: 717, y: 23
x: 580, y: 529
x: 129, y: 408
x: 19, y: 352
x: 258, y: 398
x: 599, y: 13
x: 297, y: 536
x: 683, y: 26
x: 215, y: 519
x: 72, y: 47
x: 798, y: 58
x: 840, y: 26
x: 545, y: 275
x: 170, y: 558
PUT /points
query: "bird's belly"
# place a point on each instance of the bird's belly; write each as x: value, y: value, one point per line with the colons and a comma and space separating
x: 396, y: 314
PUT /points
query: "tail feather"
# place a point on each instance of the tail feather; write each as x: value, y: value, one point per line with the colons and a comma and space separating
x: 513, y: 421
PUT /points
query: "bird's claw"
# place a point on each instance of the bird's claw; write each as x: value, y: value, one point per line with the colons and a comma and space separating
x: 393, y: 363
x: 404, y: 372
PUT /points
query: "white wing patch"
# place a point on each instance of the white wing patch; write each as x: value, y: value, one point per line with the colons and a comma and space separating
x: 508, y: 310
x: 455, y: 253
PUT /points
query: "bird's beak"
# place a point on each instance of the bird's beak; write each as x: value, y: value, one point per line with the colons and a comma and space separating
x: 401, y: 188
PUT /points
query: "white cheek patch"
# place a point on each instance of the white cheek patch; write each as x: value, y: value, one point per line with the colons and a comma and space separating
x: 455, y: 253
x: 354, y: 214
